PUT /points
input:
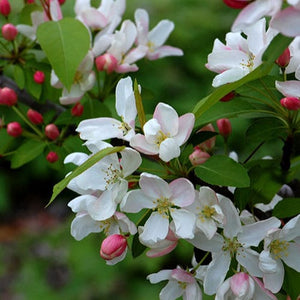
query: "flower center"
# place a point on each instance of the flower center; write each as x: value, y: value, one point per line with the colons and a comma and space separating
x: 279, y: 248
x: 105, y: 225
x: 231, y: 245
x: 151, y: 46
x: 112, y: 176
x: 160, y: 138
x: 124, y: 127
x: 162, y: 206
x: 250, y: 62
x: 78, y: 77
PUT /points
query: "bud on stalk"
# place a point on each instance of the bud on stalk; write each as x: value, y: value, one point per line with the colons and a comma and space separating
x: 224, y: 127
x: 290, y: 103
x: 52, y: 157
x: 8, y: 97
x: 9, y: 31
x: 77, y: 110
x: 5, y: 7
x: 34, y: 117
x: 198, y: 157
x: 284, y: 59
x: 51, y: 131
x: 113, y: 246
x: 39, y: 77
x: 106, y: 62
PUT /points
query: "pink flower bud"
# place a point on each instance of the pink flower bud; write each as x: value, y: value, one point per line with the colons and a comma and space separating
x: 30, y: 1
x: 210, y: 143
x: 237, y: 3
x: 52, y: 157
x: 61, y: 2
x: 77, y: 109
x: 5, y: 7
x: 228, y: 97
x: 34, y: 116
x: 198, y: 157
x: 291, y: 103
x: 51, y: 131
x: 39, y: 77
x: 106, y: 62
x: 14, y: 129
x: 224, y: 127
x: 8, y: 97
x: 284, y: 59
x: 9, y: 32
x: 240, y: 284
x: 113, y: 246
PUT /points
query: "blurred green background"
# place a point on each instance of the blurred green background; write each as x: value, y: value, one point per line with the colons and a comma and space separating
x: 38, y: 256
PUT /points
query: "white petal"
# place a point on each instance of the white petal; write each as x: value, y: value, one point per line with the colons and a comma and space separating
x: 164, y: 51
x: 76, y: 158
x: 83, y: 225
x: 184, y: 223
x: 293, y: 257
x: 291, y: 229
x: 171, y: 291
x: 274, y: 281
x: 135, y: 54
x: 214, y: 244
x: 81, y: 203
x: 136, y: 200
x: 155, y: 229
x: 216, y: 272
x: 168, y: 149
x: 159, y: 276
x: 192, y: 291
x: 208, y: 226
x: 290, y: 88
x: 130, y: 161
x: 159, y: 34
x: 249, y: 259
x: 230, y: 75
x: 140, y: 143
x: 183, y: 193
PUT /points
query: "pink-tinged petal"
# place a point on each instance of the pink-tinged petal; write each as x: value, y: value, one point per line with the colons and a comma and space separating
x: 274, y: 281
x: 229, y: 76
x: 139, y: 143
x: 130, y: 161
x: 83, y: 225
x: 101, y: 44
x: 76, y: 158
x: 291, y: 229
x: 207, y: 196
x: 135, y: 54
x: 81, y: 203
x: 287, y: 21
x: 292, y: 259
x: 72, y: 96
x: 129, y: 29
x: 261, y: 292
x: 255, y: 11
x: 100, y: 129
x: 126, y: 68
x: 104, y: 207
x: 168, y: 150
x: 160, y: 276
x: 200, y: 241
x: 154, y: 187
x: 192, y: 291
x: 124, y: 223
x: 117, y: 259
x: 164, y: 51
x: 184, y: 223
x: 186, y: 125
x: 125, y: 100
x: 171, y: 291
x: 239, y: 284
x: 216, y: 272
x: 93, y: 18
x: 232, y: 224
x: 141, y: 18
x: 166, y: 247
x: 234, y: 41
x: 252, y: 234
x: 249, y: 259
x: 136, y: 200
x: 183, y: 193
x: 167, y: 117
x: 55, y: 10
x: 223, y: 290
x: 290, y: 88
x: 159, y: 34
x: 81, y: 5
x: 155, y: 229
x: 182, y: 276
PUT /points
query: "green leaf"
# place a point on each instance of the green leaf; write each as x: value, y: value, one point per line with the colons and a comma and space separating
x: 139, y: 104
x: 28, y: 151
x: 291, y: 282
x: 287, y: 207
x: 59, y: 187
x: 19, y: 76
x: 222, y: 170
x: 65, y: 43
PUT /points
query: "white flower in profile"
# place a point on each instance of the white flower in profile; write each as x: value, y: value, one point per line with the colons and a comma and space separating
x: 104, y: 184
x: 235, y: 241
x: 83, y: 81
x: 166, y: 200
x: 280, y: 245
x: 155, y: 38
x: 181, y: 283
x: 243, y: 287
x: 105, y: 128
x: 207, y: 210
x: 239, y: 56
x: 164, y: 133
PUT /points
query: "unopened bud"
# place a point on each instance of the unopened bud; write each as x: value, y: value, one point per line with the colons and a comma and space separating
x: 39, y: 77
x: 113, y: 246
x: 30, y: 1
x: 228, y: 97
x: 210, y: 143
x: 61, y: 2
x: 240, y: 284
x: 8, y: 96
x: 106, y: 62
x: 284, y: 59
x: 5, y: 7
x: 291, y: 103
x: 9, y: 31
x: 34, y: 116
x: 237, y: 3
x: 77, y: 109
x: 14, y: 129
x: 198, y: 157
x: 51, y: 131
x: 52, y: 157
x: 224, y: 127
